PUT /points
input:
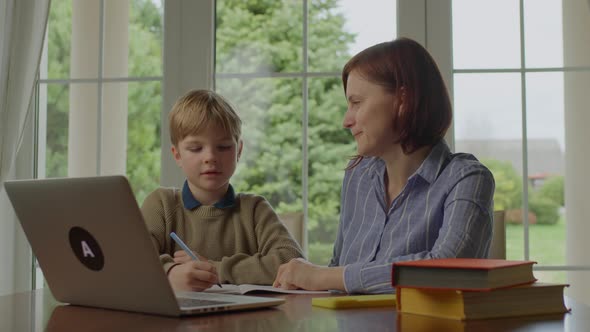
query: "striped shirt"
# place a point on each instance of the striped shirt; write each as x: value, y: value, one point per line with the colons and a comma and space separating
x: 444, y: 210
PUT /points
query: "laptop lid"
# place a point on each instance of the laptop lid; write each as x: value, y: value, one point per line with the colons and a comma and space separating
x: 94, y: 249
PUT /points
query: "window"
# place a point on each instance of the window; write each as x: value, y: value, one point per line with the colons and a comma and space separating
x: 100, y: 92
x: 510, y: 112
x: 280, y: 65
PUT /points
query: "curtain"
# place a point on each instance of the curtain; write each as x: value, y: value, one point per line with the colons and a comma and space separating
x: 22, y: 30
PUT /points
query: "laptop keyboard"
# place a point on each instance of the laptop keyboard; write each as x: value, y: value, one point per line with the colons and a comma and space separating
x: 188, y: 302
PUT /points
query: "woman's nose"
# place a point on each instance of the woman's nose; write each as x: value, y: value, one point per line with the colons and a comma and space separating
x: 348, y: 120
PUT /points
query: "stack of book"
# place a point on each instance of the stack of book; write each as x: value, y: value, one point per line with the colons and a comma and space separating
x: 465, y: 288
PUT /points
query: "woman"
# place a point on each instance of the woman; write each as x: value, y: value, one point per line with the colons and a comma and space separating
x: 405, y: 196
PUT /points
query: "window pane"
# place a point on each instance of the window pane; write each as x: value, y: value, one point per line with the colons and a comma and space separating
x: 71, y: 129
x: 253, y: 37
x: 339, y: 29
x: 546, y: 159
x: 145, y: 38
x: 551, y: 276
x: 330, y: 147
x: 56, y: 148
x: 131, y: 114
x: 271, y: 162
x: 546, y: 162
x: 488, y: 124
x: 486, y: 34
x: 60, y: 41
x: 488, y: 106
x: 133, y: 38
x: 543, y: 33
x: 143, y: 137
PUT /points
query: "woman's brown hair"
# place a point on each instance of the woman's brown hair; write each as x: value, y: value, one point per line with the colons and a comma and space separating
x: 404, y: 66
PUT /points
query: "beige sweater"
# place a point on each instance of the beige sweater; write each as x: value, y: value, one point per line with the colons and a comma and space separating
x: 246, y: 242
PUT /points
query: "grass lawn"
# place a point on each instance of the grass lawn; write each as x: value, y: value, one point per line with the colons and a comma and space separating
x: 547, y: 247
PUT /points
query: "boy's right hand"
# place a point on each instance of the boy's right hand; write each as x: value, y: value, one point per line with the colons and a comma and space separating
x: 181, y: 257
x: 193, y: 276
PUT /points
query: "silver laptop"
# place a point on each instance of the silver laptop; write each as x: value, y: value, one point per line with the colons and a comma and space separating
x: 94, y: 249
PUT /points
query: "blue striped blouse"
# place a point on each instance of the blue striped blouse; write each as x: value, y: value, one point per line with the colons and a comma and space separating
x: 445, y: 210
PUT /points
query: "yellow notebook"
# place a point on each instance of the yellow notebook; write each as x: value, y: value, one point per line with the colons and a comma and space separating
x: 354, y: 301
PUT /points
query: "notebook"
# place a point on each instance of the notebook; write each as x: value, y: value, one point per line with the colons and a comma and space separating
x: 101, y: 255
x: 249, y: 288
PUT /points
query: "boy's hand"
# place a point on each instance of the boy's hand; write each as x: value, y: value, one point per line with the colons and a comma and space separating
x: 181, y: 257
x: 193, y: 276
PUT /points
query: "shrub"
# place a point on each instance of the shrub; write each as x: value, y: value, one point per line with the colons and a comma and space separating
x: 546, y: 210
x: 508, y: 194
x: 553, y: 189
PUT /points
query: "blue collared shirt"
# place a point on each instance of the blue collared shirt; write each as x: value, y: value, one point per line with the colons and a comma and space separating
x: 445, y: 210
x: 190, y: 202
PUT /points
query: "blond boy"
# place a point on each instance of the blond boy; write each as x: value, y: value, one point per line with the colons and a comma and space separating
x: 240, y: 235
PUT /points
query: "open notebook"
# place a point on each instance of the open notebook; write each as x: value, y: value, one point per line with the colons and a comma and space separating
x: 248, y: 288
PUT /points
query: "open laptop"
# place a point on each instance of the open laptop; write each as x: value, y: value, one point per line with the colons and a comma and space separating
x: 94, y: 249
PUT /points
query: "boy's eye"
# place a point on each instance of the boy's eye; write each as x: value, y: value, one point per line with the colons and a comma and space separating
x: 225, y: 147
x: 195, y: 149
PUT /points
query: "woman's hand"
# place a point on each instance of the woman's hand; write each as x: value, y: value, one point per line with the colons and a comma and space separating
x: 299, y: 273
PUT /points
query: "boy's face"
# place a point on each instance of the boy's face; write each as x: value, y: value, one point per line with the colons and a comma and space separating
x: 208, y: 160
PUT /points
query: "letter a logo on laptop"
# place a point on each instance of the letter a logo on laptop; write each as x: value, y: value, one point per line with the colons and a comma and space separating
x: 86, y: 248
x: 95, y: 221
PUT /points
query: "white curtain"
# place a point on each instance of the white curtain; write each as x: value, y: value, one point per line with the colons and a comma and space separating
x: 22, y: 29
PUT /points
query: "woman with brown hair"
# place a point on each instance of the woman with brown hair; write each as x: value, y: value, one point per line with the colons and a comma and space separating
x: 405, y: 196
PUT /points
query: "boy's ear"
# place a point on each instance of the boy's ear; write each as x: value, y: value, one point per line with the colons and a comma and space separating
x: 175, y: 154
x: 240, y: 146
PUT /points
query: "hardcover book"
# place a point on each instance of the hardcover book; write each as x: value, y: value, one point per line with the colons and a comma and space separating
x: 462, y: 273
x: 532, y: 299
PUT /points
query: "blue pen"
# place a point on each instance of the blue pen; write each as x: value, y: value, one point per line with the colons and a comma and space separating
x: 185, y: 248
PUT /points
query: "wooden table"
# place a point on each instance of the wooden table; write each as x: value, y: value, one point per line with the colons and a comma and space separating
x: 38, y: 311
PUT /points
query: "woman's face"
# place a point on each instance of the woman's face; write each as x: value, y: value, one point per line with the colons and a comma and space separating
x: 369, y: 116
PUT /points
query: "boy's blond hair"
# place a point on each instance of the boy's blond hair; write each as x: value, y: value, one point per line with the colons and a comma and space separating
x: 198, y: 109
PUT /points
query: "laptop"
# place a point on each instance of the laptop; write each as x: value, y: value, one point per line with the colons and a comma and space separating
x: 101, y: 255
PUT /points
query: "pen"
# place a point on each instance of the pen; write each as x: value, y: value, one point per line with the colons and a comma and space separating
x: 186, y: 248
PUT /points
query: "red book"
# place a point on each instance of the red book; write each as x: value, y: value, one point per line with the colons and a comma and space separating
x: 473, y: 274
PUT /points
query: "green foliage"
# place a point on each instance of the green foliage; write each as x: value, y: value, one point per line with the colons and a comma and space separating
x: 58, y: 66
x: 321, y: 252
x: 546, y: 210
x: 508, y: 194
x: 553, y: 190
x: 266, y: 36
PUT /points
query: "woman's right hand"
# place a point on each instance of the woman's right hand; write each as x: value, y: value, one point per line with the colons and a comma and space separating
x: 193, y: 276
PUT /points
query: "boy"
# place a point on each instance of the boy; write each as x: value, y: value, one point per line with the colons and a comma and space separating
x: 240, y: 234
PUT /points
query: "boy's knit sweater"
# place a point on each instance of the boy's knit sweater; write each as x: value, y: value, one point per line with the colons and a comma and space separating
x: 245, y: 242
